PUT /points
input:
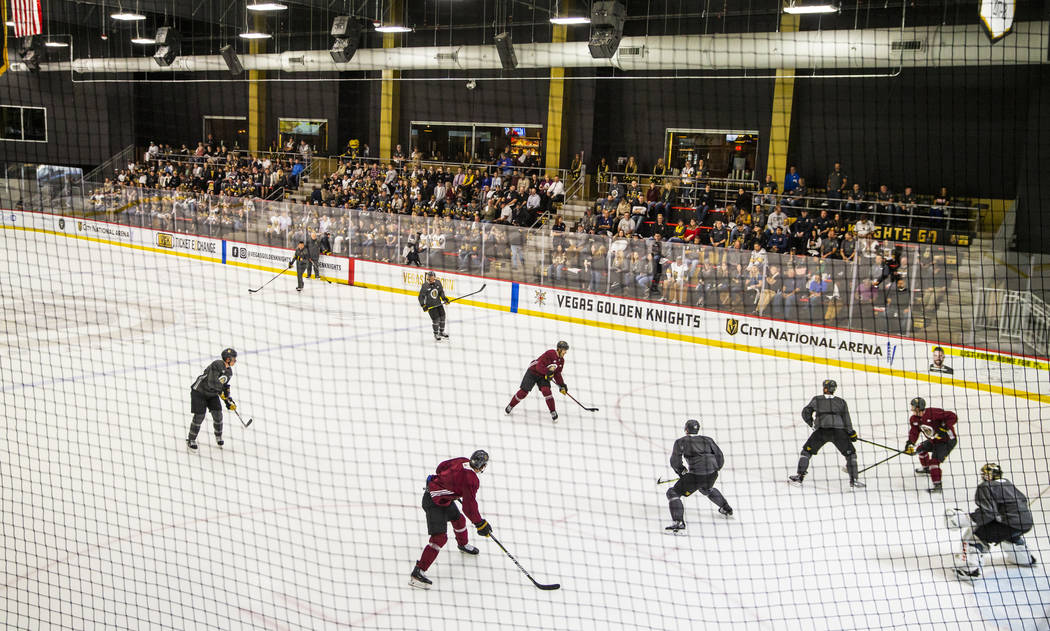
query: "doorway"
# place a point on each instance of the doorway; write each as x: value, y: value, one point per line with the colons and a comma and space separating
x: 726, y: 153
x: 231, y: 131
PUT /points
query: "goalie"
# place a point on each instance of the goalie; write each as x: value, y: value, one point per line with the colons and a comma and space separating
x: 1002, y: 517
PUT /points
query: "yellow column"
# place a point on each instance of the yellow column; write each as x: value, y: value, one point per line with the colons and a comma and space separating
x: 783, y: 99
x: 390, y: 92
x: 3, y: 52
x: 257, y: 94
x: 556, y: 105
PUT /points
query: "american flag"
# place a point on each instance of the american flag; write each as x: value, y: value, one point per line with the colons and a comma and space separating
x: 26, y: 15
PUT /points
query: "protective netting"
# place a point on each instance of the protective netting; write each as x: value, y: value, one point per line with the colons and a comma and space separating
x: 734, y: 207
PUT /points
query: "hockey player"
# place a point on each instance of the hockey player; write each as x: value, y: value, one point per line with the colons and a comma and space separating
x: 455, y: 479
x: 301, y: 260
x: 705, y: 460
x: 212, y: 385
x: 540, y: 372
x: 1002, y: 516
x: 432, y: 299
x: 939, y: 428
x: 828, y: 415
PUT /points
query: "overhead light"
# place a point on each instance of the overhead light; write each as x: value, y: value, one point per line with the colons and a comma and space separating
x: 56, y: 44
x: 392, y: 28
x: 569, y: 21
x: 127, y: 17
x: 253, y: 35
x: 143, y: 40
x: 798, y: 7
x: 266, y: 6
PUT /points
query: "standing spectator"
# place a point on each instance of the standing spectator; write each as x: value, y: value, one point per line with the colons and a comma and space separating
x: 940, y: 211
x: 829, y: 417
x: 1003, y: 516
x: 704, y: 460
x: 836, y: 184
x: 455, y: 479
x: 938, y: 426
x: 656, y: 249
x: 791, y: 181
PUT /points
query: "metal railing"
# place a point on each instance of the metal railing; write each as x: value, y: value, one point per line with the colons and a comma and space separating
x: 107, y: 169
x: 1015, y: 315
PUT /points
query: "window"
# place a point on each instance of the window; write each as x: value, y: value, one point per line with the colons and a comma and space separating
x: 26, y: 124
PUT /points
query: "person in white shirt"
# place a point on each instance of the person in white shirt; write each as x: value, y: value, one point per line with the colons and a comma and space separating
x: 777, y: 219
x: 556, y: 190
x: 864, y: 229
x: 533, y: 202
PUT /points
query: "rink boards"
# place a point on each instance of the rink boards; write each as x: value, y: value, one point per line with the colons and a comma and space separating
x: 974, y: 369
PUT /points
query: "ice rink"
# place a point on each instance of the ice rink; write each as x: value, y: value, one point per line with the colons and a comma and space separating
x: 311, y: 519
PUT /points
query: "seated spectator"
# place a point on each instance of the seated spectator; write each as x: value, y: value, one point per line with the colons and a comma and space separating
x: 865, y: 228
x: 813, y: 243
x: 848, y: 247
x: 791, y: 180
x: 770, y: 289
x: 940, y: 210
x: 718, y: 235
x: 692, y: 232
x: 778, y: 242
x: 829, y: 247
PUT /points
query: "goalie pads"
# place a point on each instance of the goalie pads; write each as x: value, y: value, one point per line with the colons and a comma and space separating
x: 957, y: 519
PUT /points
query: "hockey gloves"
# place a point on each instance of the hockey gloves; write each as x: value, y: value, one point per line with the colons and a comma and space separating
x: 228, y: 400
x: 290, y: 263
x: 484, y: 529
x: 564, y: 389
x: 853, y: 437
x: 909, y: 449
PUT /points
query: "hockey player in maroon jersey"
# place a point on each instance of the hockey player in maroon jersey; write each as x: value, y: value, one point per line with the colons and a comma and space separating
x: 455, y: 479
x: 545, y: 368
x: 939, y: 428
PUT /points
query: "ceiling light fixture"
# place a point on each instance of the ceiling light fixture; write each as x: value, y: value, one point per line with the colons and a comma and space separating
x: 254, y: 35
x: 127, y: 17
x: 800, y: 7
x: 266, y: 6
x: 392, y: 28
x: 143, y: 40
x: 56, y: 44
x: 569, y: 21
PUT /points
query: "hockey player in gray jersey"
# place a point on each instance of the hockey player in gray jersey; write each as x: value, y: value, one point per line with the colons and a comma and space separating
x: 828, y: 415
x: 1002, y: 517
x: 205, y: 393
x: 705, y: 460
x: 432, y: 299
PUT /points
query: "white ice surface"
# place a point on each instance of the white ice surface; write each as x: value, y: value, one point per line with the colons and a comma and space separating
x: 310, y: 518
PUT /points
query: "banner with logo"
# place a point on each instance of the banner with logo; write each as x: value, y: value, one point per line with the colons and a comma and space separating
x: 408, y: 280
x: 204, y: 247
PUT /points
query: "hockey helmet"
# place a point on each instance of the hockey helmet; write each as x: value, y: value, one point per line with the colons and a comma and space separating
x: 829, y: 386
x: 692, y: 426
x: 479, y: 460
x: 563, y: 345
x: 228, y: 353
x: 431, y: 275
x: 991, y: 471
x: 918, y: 403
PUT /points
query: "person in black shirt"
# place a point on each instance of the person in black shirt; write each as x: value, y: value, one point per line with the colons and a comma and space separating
x: 705, y: 460
x: 829, y: 417
x: 212, y: 385
x: 300, y: 258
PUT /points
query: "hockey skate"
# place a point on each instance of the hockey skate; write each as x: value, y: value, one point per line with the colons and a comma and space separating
x: 968, y: 574
x: 507, y: 410
x: 219, y: 441
x: 554, y: 415
x: 796, y: 480
x: 676, y: 527
x: 466, y: 548
x: 922, y: 471
x: 935, y: 489
x: 437, y: 336
x: 419, y: 579
x: 726, y: 511
x: 856, y: 484
x: 444, y: 335
x: 191, y: 443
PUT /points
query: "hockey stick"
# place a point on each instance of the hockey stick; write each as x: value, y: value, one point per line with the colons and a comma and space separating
x: 878, y: 445
x: 460, y: 297
x: 252, y: 291
x: 580, y: 404
x: 250, y: 419
x: 663, y: 481
x: 879, y: 462
x: 540, y: 585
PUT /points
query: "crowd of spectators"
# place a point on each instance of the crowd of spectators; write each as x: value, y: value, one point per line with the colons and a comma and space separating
x: 756, y: 251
